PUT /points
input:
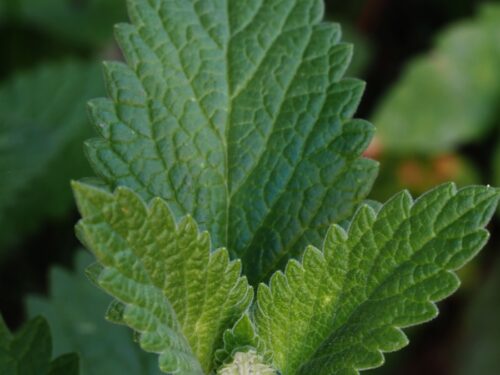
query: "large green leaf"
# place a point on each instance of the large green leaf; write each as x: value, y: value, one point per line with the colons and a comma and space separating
x: 341, y: 307
x: 29, y: 351
x: 169, y: 287
x: 449, y: 96
x: 236, y: 112
x: 74, y: 311
x: 42, y: 125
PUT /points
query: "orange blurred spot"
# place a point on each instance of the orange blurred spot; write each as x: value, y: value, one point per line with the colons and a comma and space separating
x: 374, y: 149
x: 412, y: 174
x: 446, y: 167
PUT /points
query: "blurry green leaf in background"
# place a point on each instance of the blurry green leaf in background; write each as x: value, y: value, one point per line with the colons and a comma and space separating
x: 42, y: 126
x: 443, y: 100
x: 75, y: 311
x: 449, y: 96
x: 28, y: 352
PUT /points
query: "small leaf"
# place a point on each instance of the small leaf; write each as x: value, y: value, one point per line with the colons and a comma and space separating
x: 241, y: 338
x: 337, y: 310
x: 28, y: 352
x: 169, y: 287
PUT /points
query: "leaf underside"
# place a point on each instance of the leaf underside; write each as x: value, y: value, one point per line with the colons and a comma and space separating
x: 169, y: 287
x: 337, y: 310
x: 236, y: 113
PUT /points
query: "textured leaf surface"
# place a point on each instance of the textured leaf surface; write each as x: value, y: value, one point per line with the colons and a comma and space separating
x: 236, y: 112
x: 169, y: 287
x: 340, y: 308
x: 74, y: 310
x: 28, y: 352
x: 241, y: 338
x: 42, y: 125
x: 480, y: 352
x: 449, y: 96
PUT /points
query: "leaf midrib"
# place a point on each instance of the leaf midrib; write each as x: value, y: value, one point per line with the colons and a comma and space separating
x: 232, y: 97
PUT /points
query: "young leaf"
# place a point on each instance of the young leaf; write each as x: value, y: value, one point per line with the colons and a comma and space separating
x: 449, y: 96
x: 29, y: 351
x: 236, y: 112
x: 169, y: 287
x: 242, y: 338
x: 340, y: 308
x: 74, y: 311
x: 42, y: 125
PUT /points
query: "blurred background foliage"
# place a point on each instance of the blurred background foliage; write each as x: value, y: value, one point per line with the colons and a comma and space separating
x: 433, y: 92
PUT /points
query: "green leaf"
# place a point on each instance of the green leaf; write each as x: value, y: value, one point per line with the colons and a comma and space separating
x: 42, y: 125
x: 74, y: 310
x: 169, y: 287
x: 449, y: 96
x: 337, y: 310
x: 29, y: 351
x: 241, y: 338
x: 480, y: 351
x: 236, y: 113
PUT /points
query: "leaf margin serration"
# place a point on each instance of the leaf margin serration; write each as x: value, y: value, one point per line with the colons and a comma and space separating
x: 282, y: 284
x: 262, y: 238
x: 115, y: 281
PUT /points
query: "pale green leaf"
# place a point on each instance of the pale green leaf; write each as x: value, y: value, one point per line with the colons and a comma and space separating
x: 241, y: 338
x: 74, y: 310
x: 169, y: 287
x: 449, y: 96
x: 341, y: 307
x: 28, y: 352
x: 236, y: 113
x: 42, y: 125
